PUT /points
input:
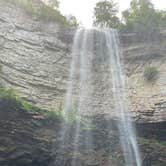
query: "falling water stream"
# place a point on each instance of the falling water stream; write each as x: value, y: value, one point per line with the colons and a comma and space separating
x: 127, y: 133
x: 80, y: 93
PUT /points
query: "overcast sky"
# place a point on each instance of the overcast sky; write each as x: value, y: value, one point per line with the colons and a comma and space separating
x: 83, y: 9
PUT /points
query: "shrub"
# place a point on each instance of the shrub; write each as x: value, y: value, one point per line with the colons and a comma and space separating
x: 150, y: 73
x: 53, y: 114
x: 11, y: 94
x: 49, y: 14
x: 8, y: 93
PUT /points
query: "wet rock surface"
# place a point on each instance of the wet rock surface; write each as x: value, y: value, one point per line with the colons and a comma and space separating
x: 28, y: 141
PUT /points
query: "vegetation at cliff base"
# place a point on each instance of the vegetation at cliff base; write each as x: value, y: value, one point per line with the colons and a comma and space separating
x: 12, y: 95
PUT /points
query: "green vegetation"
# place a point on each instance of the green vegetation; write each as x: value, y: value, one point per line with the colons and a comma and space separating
x: 105, y: 14
x: 141, y: 17
x: 11, y: 94
x: 151, y: 141
x: 52, y: 114
x: 41, y: 11
x: 150, y: 73
x: 72, y: 21
x: 49, y: 14
x: 53, y: 3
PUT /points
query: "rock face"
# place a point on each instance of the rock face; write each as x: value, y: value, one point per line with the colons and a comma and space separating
x: 35, y: 56
x: 147, y: 99
x: 26, y: 140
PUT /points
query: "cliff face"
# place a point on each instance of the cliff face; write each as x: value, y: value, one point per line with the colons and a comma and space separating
x: 148, y: 99
x: 35, y: 56
x: 30, y: 141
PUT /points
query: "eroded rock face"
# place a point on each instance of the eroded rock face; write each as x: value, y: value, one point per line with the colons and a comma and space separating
x: 36, y: 61
x: 26, y: 140
x: 34, y: 55
x: 147, y: 98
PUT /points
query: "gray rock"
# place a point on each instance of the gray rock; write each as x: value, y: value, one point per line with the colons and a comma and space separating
x: 35, y: 55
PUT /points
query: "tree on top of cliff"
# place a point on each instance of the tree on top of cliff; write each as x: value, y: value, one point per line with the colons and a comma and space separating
x: 53, y: 3
x: 72, y: 21
x: 105, y: 14
x: 142, y: 17
x: 43, y: 9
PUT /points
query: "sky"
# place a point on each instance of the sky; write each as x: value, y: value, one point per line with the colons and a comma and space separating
x: 83, y: 9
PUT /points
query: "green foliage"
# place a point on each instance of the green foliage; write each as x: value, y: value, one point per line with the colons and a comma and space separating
x: 53, y: 3
x: 71, y: 116
x: 53, y: 114
x: 105, y: 14
x: 11, y: 94
x: 8, y: 93
x: 26, y: 5
x: 41, y: 11
x: 49, y: 14
x: 150, y: 74
x: 142, y: 17
x: 161, y: 18
x: 72, y: 21
x: 151, y: 141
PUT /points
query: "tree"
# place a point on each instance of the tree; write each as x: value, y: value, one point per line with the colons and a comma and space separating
x: 142, y: 17
x: 53, y: 3
x: 105, y: 14
x: 72, y: 21
x: 161, y: 18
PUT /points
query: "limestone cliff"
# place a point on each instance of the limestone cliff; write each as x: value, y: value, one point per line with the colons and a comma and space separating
x: 35, y: 58
x: 148, y: 100
x: 34, y: 55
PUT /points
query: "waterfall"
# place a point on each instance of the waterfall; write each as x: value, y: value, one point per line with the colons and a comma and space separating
x: 93, y: 47
x: 127, y: 133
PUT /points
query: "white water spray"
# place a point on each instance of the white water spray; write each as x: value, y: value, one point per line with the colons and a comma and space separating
x: 127, y: 133
x: 81, y: 93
